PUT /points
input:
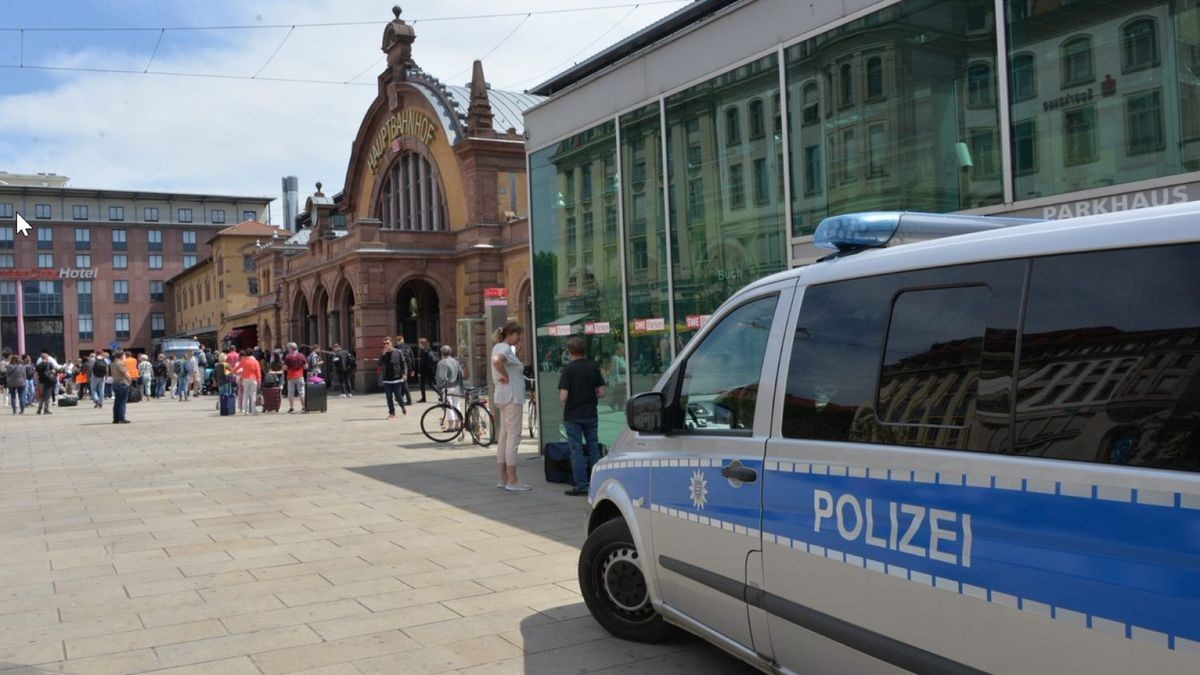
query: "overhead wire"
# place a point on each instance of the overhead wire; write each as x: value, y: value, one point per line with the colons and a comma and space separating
x: 163, y: 73
x: 272, y: 56
x: 327, y: 24
x: 21, y: 65
x: 576, y: 55
x: 499, y: 44
x: 154, y: 53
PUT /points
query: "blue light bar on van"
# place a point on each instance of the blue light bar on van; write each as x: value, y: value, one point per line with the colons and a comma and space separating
x: 879, y: 229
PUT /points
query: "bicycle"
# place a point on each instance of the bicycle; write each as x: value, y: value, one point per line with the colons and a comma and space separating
x: 443, y: 422
x: 531, y: 387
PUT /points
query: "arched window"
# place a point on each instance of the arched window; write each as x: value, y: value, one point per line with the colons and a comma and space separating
x: 1076, y: 57
x: 733, y: 126
x: 412, y: 197
x: 1139, y: 44
x: 847, y: 84
x: 979, y: 85
x: 874, y: 77
x: 812, y: 104
x: 758, y: 122
x: 1024, y: 80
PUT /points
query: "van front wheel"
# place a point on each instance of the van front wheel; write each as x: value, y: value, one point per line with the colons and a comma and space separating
x: 614, y: 586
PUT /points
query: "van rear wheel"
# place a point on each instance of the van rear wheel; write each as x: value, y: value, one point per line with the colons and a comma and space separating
x: 614, y: 586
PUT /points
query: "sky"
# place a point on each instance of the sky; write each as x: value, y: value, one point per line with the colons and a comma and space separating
x: 148, y: 131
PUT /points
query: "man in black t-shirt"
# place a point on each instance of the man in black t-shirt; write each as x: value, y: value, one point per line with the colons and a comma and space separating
x: 579, y: 388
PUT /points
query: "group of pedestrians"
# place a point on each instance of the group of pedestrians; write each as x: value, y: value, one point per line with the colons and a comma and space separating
x: 401, y: 367
x: 25, y: 380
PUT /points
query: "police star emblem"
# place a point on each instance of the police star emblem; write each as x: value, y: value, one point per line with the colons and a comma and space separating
x: 699, y: 489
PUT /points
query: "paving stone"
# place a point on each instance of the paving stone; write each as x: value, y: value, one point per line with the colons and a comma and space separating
x: 453, y: 656
x: 330, y: 653
x: 109, y: 664
x: 175, y: 550
x: 138, y: 639
x: 293, y: 616
x: 199, y: 651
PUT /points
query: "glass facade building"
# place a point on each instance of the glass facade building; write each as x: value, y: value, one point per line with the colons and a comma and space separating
x: 645, y: 221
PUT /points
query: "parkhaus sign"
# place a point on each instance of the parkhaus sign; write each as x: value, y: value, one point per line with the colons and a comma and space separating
x: 49, y: 274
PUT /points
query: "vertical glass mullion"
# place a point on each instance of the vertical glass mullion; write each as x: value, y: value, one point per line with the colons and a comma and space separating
x: 621, y: 253
x: 666, y: 197
x: 786, y: 157
x: 1000, y: 21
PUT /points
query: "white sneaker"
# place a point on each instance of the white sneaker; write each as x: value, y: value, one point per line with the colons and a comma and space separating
x: 518, y: 487
x: 501, y: 485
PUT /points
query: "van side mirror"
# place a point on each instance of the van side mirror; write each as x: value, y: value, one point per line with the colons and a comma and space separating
x: 644, y: 413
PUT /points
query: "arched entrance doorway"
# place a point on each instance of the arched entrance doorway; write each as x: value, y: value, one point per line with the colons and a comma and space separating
x: 524, y: 313
x: 343, y: 320
x: 417, y: 312
x: 319, y: 330
x: 301, y: 321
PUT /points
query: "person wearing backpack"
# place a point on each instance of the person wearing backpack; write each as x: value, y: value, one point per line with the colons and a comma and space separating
x: 427, y: 361
x: 14, y: 377
x: 184, y: 367
x: 351, y: 369
x: 47, y: 382
x: 340, y: 360
x: 97, y: 372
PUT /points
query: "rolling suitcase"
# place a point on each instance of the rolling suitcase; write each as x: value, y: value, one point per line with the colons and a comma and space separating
x: 315, y: 396
x: 272, y: 397
x: 135, y: 394
x: 228, y: 404
x: 557, y: 459
x: 67, y: 401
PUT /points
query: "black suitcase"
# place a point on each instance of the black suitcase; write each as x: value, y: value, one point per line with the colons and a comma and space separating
x: 557, y: 460
x: 315, y: 396
x: 67, y: 401
x: 272, y: 396
x: 228, y: 404
x: 135, y: 394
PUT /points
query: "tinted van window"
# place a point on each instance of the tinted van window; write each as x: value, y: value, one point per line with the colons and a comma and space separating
x: 933, y: 355
x: 719, y: 387
x: 939, y: 377
x: 1110, y: 358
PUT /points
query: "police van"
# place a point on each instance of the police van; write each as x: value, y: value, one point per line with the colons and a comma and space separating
x: 957, y: 444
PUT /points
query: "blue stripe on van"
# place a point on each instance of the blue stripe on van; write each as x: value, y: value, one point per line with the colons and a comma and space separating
x: 1113, y: 556
x: 1132, y: 563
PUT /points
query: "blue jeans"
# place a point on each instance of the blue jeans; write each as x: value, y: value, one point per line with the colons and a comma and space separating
x: 583, y: 458
x: 14, y: 397
x: 394, y: 390
x: 120, y: 398
x: 97, y: 390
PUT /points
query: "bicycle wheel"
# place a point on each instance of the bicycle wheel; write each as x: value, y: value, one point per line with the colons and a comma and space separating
x: 533, y: 419
x: 480, y: 425
x: 442, y: 423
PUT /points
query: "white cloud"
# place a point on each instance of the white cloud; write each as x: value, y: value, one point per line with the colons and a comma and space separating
x: 238, y: 137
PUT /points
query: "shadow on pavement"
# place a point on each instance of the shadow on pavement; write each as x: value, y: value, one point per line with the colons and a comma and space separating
x: 577, y: 644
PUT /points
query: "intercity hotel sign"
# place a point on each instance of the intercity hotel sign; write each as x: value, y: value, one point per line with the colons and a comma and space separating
x: 48, y: 274
x: 411, y: 123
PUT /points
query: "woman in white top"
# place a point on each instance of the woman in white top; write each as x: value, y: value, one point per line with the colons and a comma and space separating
x: 510, y: 396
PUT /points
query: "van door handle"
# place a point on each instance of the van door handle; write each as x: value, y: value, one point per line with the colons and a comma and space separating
x: 735, y: 471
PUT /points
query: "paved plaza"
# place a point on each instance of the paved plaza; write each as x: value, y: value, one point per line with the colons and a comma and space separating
x: 326, y: 543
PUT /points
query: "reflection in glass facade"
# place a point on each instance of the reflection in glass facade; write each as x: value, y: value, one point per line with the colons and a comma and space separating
x: 725, y: 189
x: 1103, y: 92
x: 897, y: 109
x: 646, y: 245
x: 577, y: 268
